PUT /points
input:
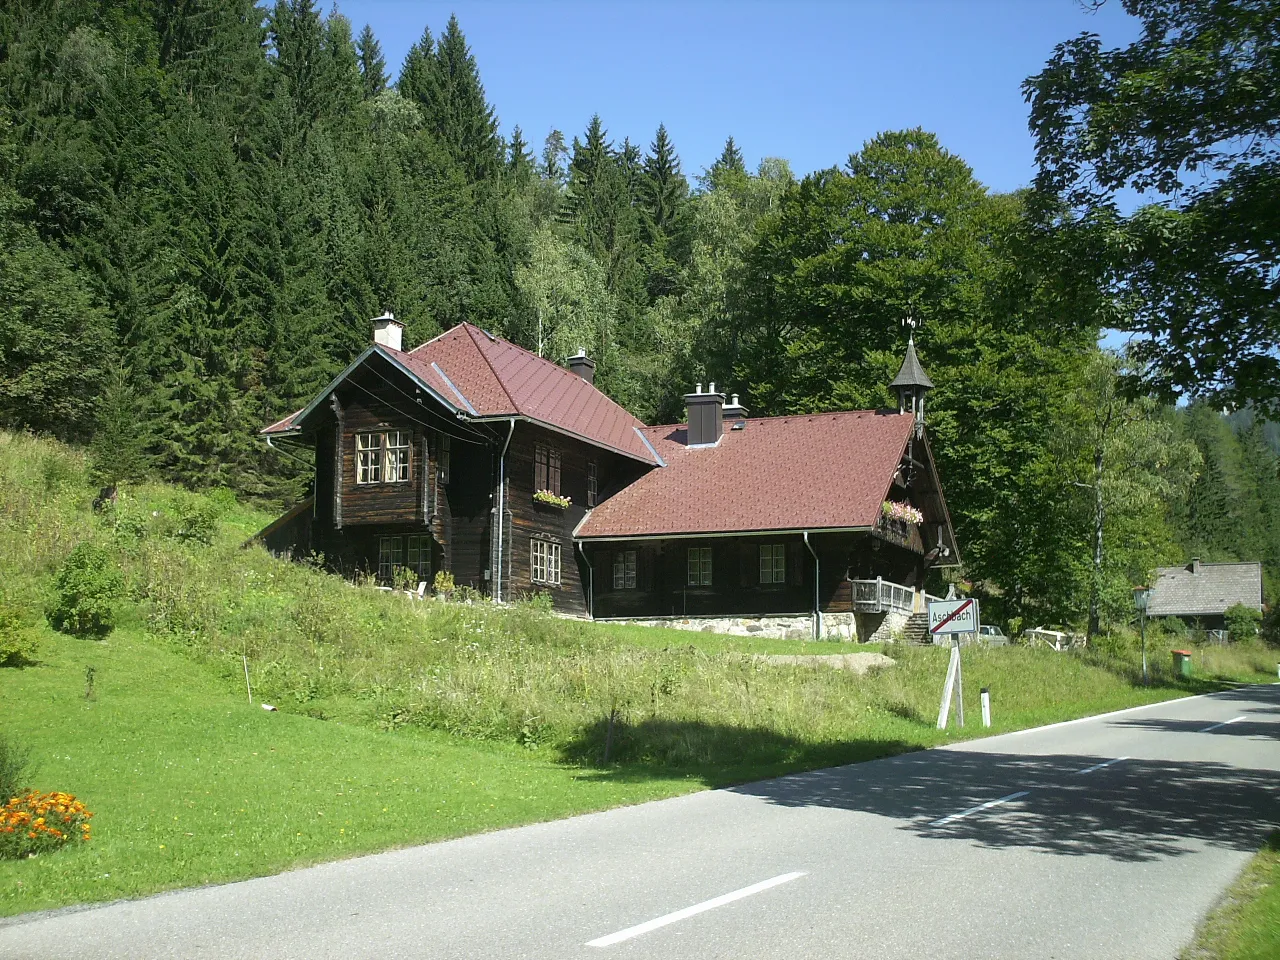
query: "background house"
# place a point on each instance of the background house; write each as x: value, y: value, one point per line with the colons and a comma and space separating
x: 1200, y: 593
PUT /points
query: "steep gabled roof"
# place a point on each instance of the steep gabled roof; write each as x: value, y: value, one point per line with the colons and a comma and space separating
x: 814, y: 472
x: 1205, y: 589
x: 485, y: 377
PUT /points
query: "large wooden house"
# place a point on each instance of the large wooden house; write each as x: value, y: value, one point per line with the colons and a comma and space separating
x: 471, y: 455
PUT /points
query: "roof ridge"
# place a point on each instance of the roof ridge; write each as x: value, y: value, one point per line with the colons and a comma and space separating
x: 472, y: 330
x: 888, y: 412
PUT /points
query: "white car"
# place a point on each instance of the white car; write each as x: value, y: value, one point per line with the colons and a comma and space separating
x: 992, y: 635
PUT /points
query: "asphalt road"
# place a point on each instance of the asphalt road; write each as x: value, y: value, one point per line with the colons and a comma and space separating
x: 1042, y: 844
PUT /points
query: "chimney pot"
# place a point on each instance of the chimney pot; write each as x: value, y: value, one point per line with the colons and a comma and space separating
x: 388, y: 331
x: 1195, y: 565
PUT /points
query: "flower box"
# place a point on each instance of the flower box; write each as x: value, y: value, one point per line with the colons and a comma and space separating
x: 549, y: 499
x: 904, y: 512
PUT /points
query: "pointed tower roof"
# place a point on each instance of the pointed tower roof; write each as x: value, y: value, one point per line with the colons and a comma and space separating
x: 912, y: 374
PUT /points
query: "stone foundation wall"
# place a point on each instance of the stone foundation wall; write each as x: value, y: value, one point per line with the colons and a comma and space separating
x: 880, y: 627
x: 835, y: 626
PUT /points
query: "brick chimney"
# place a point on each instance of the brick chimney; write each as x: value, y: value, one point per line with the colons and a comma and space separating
x: 1194, y: 565
x: 583, y: 366
x: 388, y: 331
x: 706, y: 417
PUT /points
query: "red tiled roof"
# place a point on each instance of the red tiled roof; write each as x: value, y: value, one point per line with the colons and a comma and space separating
x: 807, y: 472
x: 499, y: 379
x: 485, y: 376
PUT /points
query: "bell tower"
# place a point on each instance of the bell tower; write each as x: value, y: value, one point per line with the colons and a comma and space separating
x: 912, y: 383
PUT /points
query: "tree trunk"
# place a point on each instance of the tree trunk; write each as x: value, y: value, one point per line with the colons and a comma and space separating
x: 1099, y: 518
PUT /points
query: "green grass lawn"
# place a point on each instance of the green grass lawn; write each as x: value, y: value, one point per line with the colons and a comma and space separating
x: 190, y: 785
x: 1246, y: 925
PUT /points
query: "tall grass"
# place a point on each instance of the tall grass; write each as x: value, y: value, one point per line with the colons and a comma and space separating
x: 318, y: 645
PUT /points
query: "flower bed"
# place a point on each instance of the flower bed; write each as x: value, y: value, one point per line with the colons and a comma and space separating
x: 897, y: 510
x: 552, y: 499
x: 41, y: 822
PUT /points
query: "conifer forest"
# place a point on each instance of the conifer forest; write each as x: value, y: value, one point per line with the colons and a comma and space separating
x: 204, y: 202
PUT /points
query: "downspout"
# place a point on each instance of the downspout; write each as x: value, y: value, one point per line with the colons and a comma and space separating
x: 817, y: 577
x: 502, y: 508
x: 591, y: 581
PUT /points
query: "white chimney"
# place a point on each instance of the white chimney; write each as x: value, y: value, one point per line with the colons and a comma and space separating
x: 388, y: 331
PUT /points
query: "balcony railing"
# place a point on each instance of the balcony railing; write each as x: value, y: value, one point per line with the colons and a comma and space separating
x: 882, y: 596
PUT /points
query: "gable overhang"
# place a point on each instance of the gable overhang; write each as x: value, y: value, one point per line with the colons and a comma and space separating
x: 379, y: 350
x: 524, y: 418
x: 712, y: 534
x: 936, y: 484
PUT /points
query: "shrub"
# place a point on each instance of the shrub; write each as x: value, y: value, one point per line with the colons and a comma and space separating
x: 36, y: 823
x: 197, y: 520
x: 444, y: 585
x: 15, y: 764
x: 86, y: 590
x: 1242, y: 622
x: 17, y: 644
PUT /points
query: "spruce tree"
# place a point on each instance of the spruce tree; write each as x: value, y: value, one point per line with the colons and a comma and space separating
x: 519, y: 159
x: 462, y: 118
x: 373, y: 66
x: 730, y: 160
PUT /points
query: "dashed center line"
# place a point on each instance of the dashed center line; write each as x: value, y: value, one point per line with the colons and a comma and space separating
x: 982, y: 806
x: 1099, y: 766
x: 697, y: 908
x: 1222, y: 724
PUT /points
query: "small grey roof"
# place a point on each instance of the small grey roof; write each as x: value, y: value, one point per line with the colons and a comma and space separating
x: 1205, y: 589
x: 912, y: 374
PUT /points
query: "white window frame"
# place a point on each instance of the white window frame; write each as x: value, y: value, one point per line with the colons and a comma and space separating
x: 544, y: 562
x: 390, y: 556
x: 624, y: 570
x: 417, y: 555
x: 546, y: 469
x: 398, y: 444
x: 368, y: 458
x: 699, y: 567
x: 593, y: 483
x: 773, y: 564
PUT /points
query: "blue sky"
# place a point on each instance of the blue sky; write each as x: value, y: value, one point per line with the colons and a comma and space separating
x: 807, y: 81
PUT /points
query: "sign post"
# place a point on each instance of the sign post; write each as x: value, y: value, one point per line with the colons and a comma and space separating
x: 954, y: 617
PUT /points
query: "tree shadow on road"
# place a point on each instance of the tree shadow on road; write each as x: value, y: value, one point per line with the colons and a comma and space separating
x: 1134, y: 810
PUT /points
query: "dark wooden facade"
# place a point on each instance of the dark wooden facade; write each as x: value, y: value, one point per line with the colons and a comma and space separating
x: 662, y: 587
x: 455, y: 509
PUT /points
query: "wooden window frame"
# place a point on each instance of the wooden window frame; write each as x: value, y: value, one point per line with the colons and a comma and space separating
x: 444, y: 457
x: 546, y: 469
x: 773, y: 564
x: 593, y: 483
x: 625, y: 567
x: 699, y: 569
x: 544, y: 561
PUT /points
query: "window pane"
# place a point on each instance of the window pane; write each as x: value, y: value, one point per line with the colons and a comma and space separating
x: 397, y: 456
x: 593, y: 482
x: 699, y: 566
x: 553, y: 472
x: 540, y: 468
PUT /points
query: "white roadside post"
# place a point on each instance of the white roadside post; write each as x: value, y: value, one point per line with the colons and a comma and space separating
x: 954, y: 617
x: 986, y: 706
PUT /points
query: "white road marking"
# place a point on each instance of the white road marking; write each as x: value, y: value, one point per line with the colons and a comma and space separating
x: 977, y: 744
x: 981, y: 806
x: 1222, y: 724
x: 1099, y: 766
x: 697, y: 908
